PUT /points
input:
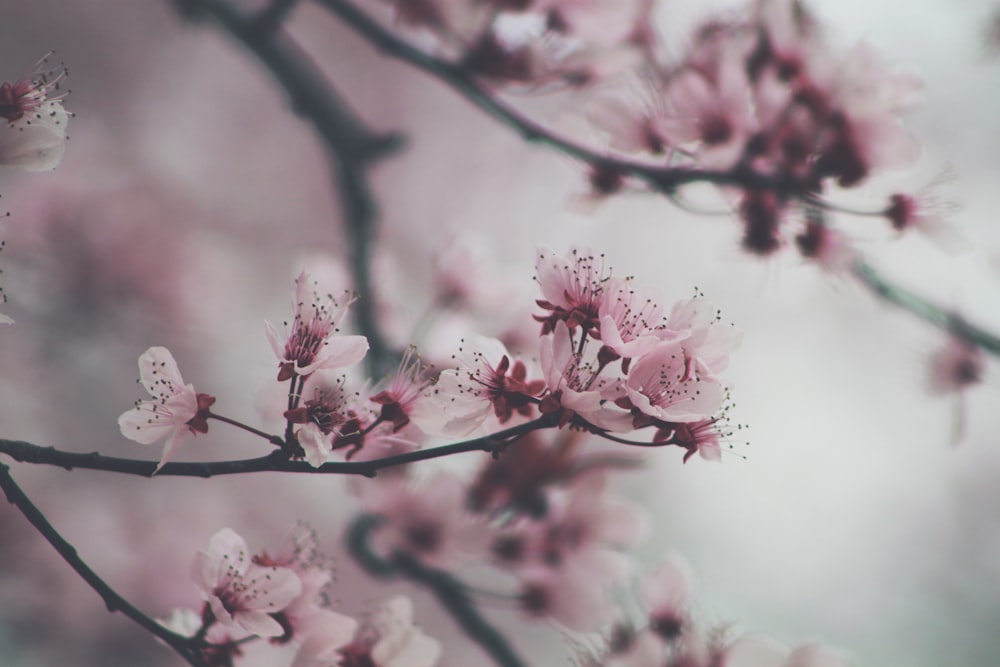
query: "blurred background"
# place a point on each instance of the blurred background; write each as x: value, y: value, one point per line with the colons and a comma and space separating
x: 190, y: 196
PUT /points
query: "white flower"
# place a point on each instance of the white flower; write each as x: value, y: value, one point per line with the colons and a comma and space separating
x: 174, y: 411
x: 243, y: 595
x: 33, y: 138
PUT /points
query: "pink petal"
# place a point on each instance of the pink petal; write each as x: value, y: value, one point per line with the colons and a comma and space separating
x: 258, y: 623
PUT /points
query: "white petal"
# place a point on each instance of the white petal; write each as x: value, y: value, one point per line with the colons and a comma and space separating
x: 258, y: 623
x: 31, y: 148
x: 274, y: 588
x: 339, y: 352
x: 158, y: 372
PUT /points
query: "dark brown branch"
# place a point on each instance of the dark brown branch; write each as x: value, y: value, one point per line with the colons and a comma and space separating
x: 112, y: 600
x: 277, y: 461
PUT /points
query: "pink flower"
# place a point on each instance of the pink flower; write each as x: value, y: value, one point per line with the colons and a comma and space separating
x: 572, y: 288
x: 570, y: 595
x: 667, y: 596
x: 828, y: 247
x: 312, y: 343
x: 713, y: 108
x: 576, y: 383
x: 489, y: 382
x: 954, y: 368
x: 319, y: 631
x: 174, y: 411
x: 632, y: 319
x: 33, y: 138
x: 707, y: 340
x: 668, y: 385
x: 240, y: 594
x: 390, y: 639
x: 427, y: 520
x: 404, y: 390
x: 319, y: 420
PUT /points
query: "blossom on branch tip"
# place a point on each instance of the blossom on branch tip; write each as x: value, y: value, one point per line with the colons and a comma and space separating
x: 312, y: 342
x: 240, y: 594
x: 33, y: 121
x: 174, y: 410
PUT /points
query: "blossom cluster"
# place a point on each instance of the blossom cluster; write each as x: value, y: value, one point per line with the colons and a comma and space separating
x: 612, y: 360
x: 281, y: 597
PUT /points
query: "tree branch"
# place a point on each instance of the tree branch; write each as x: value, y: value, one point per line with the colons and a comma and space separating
x: 942, y: 318
x: 112, y: 600
x: 276, y: 461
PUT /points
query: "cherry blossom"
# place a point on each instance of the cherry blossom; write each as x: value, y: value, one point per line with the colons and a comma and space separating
x: 320, y: 631
x: 707, y: 339
x: 668, y: 385
x: 240, y: 594
x: 313, y: 343
x: 955, y: 367
x: 426, y: 519
x: 488, y: 382
x: 404, y: 390
x: 390, y: 639
x: 572, y: 288
x: 666, y: 594
x: 829, y: 248
x: 576, y: 383
x: 33, y: 138
x: 174, y: 411
x: 630, y: 318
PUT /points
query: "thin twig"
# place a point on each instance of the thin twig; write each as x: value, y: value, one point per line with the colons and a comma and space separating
x: 112, y: 600
x: 944, y: 319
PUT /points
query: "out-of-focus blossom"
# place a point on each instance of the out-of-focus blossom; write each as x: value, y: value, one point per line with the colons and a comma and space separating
x: 426, y: 519
x: 240, y: 594
x: 829, y: 248
x: 312, y: 341
x: 762, y: 651
x: 390, y: 639
x: 666, y: 594
x: 174, y: 411
x: 953, y: 369
x: 33, y: 121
